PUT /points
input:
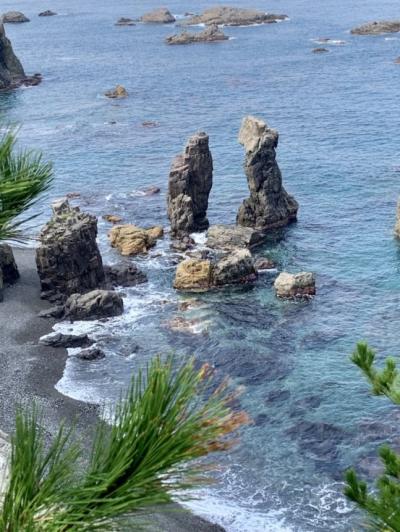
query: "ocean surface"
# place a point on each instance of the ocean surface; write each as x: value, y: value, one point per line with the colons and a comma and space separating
x: 339, y: 152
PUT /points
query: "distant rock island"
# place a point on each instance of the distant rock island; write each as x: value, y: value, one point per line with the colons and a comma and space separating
x: 210, y: 34
x: 233, y: 16
x: 377, y: 28
x: 158, y: 16
x: 14, y: 17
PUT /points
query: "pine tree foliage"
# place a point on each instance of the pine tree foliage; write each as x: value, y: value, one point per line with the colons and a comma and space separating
x: 381, y: 504
x: 23, y: 178
x: 159, y: 432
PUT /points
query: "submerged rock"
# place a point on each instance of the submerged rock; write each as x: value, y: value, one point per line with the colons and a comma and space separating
x: 193, y: 275
x: 68, y: 258
x: 132, y: 240
x: 123, y: 274
x: 8, y: 266
x: 58, y: 339
x: 118, y: 92
x: 158, y: 16
x: 189, y: 185
x: 92, y: 353
x: 229, y: 237
x: 288, y: 285
x: 124, y: 21
x: 235, y: 268
x: 320, y: 50
x: 233, y: 16
x: 94, y: 305
x: 11, y: 71
x: 377, y: 28
x: 269, y: 205
x: 397, y: 226
x: 14, y: 17
x: 47, y: 13
x: 210, y: 34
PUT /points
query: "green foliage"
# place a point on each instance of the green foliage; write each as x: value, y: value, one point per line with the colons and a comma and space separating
x: 158, y: 429
x: 382, y: 504
x: 23, y: 177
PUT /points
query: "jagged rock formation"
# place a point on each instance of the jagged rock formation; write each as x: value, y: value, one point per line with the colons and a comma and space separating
x: 14, y: 17
x: 233, y: 16
x: 11, y: 71
x: 210, y: 34
x: 8, y: 266
x: 397, y: 226
x: 68, y: 258
x: 131, y: 240
x: 269, y: 205
x: 377, y: 28
x: 190, y: 182
x: 229, y: 237
x: 94, y: 305
x: 158, y: 16
x: 288, y: 285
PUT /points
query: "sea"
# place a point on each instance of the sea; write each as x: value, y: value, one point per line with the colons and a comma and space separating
x: 313, y: 414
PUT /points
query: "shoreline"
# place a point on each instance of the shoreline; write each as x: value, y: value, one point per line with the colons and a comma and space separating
x: 29, y: 372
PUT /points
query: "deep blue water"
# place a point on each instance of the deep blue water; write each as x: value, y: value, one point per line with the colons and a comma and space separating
x: 338, y: 119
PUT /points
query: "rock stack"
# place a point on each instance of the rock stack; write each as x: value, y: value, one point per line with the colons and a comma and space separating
x: 11, y: 71
x: 269, y: 205
x: 68, y: 258
x: 190, y: 182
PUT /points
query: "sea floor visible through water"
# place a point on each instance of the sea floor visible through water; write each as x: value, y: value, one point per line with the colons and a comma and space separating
x: 338, y: 118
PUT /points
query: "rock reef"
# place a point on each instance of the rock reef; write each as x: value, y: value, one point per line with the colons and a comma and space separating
x: 189, y: 185
x: 158, y: 16
x: 377, y: 28
x: 233, y: 16
x: 269, y: 205
x: 11, y: 71
x: 210, y: 34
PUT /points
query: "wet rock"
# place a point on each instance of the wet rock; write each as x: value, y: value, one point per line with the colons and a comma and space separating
x: 151, y: 191
x: 94, y: 305
x: 118, y: 92
x: 112, y: 218
x: 397, y: 226
x: 123, y: 274
x: 183, y: 243
x: 155, y: 232
x: 229, y: 237
x: 132, y: 240
x: 68, y: 258
x: 189, y: 185
x: 58, y: 339
x: 11, y: 71
x: 8, y: 266
x: 269, y: 205
x: 288, y: 285
x: 14, y: 17
x: 263, y: 264
x: 124, y: 21
x: 210, y: 34
x: 158, y: 16
x: 73, y: 195
x: 56, y: 312
x: 193, y: 275
x: 233, y: 16
x: 320, y: 50
x: 235, y: 268
x: 47, y: 13
x: 377, y: 28
x: 92, y: 353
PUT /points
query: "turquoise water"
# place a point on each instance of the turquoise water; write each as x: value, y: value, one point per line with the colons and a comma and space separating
x: 338, y: 119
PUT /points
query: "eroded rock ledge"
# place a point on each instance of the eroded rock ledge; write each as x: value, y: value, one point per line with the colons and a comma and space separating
x: 233, y: 16
x: 377, y: 28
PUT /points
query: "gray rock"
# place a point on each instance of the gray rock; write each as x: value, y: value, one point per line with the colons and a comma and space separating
x: 92, y: 353
x: 269, y: 205
x: 11, y: 71
x: 47, y: 13
x: 190, y: 182
x: 56, y: 312
x: 8, y: 265
x: 124, y: 274
x: 158, y: 16
x: 377, y: 28
x: 96, y: 304
x: 319, y: 50
x: 229, y: 237
x: 123, y: 21
x: 210, y: 34
x: 58, y: 339
x: 14, y: 17
x: 68, y: 258
x: 233, y: 16
x: 288, y: 285
x: 235, y: 268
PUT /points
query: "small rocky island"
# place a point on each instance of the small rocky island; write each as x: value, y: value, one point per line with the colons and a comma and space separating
x: 161, y: 15
x: 210, y: 34
x: 233, y: 16
x: 377, y: 28
x: 14, y: 17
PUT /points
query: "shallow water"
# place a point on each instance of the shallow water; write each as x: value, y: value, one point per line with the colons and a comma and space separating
x: 338, y: 123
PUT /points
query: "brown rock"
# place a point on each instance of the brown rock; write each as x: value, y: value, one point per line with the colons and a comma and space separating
x: 397, y: 226
x: 298, y: 285
x: 132, y: 240
x: 118, y: 92
x: 112, y: 218
x: 193, y: 275
x: 158, y: 16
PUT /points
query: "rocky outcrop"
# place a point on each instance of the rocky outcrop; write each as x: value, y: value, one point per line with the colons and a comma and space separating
x: 377, y: 28
x: 229, y: 237
x: 8, y: 266
x: 123, y: 274
x: 190, y: 182
x: 117, y: 93
x: 47, y: 13
x: 58, y: 339
x: 210, y: 34
x: 158, y: 16
x: 397, y: 226
x: 94, y: 305
x: 11, y: 71
x: 14, y: 17
x: 233, y: 16
x: 193, y: 275
x: 123, y: 21
x: 132, y: 240
x: 269, y: 205
x: 298, y: 285
x: 68, y: 258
